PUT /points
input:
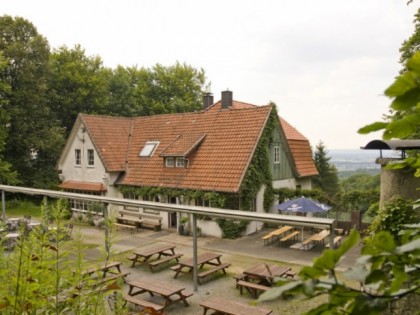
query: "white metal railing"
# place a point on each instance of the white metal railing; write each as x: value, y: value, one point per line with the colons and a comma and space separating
x: 324, y: 223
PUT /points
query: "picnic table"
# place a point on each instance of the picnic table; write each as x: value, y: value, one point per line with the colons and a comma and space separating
x: 276, y: 234
x: 260, y: 278
x: 318, y: 238
x: 213, y: 259
x: 232, y: 308
x: 104, y: 269
x: 169, y: 292
x: 264, y: 273
x: 144, y: 255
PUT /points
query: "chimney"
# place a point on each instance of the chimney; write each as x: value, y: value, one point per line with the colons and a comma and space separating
x: 207, y: 100
x: 227, y: 99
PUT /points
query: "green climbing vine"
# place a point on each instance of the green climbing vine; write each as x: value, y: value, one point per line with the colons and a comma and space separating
x: 258, y: 174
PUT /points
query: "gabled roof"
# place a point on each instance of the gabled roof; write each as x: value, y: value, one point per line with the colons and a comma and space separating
x: 299, y: 146
x: 231, y: 136
x: 300, y: 149
x: 227, y: 139
x: 110, y: 136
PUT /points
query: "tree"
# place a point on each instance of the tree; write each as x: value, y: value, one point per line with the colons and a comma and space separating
x: 6, y: 175
x: 78, y: 84
x: 327, y: 180
x: 360, y: 182
x: 412, y: 45
x: 31, y: 124
x: 159, y: 90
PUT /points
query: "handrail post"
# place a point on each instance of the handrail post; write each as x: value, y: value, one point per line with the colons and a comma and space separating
x: 195, y: 269
x: 3, y: 204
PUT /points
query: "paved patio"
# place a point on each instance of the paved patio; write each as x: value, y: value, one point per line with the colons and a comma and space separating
x: 241, y: 253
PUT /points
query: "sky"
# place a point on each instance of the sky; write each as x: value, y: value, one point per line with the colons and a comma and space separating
x: 324, y: 63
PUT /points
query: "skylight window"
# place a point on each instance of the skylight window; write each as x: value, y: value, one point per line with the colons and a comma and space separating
x: 149, y: 148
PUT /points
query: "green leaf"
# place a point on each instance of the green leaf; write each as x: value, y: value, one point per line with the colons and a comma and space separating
x: 402, y: 128
x: 376, y: 276
x: 409, y: 247
x: 351, y: 241
x: 276, y: 292
x: 407, y: 100
x: 402, y: 85
x: 357, y: 273
x: 383, y: 240
x: 311, y: 273
x: 414, y: 62
x: 372, y: 127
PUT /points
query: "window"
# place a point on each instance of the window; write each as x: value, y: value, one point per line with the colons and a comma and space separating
x: 77, y: 157
x: 180, y: 162
x: 81, y: 205
x: 276, y: 155
x: 91, y: 157
x: 170, y: 162
x: 149, y: 148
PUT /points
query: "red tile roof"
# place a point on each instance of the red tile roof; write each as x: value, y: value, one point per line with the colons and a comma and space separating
x: 300, y: 149
x: 230, y: 139
x: 227, y: 139
x: 85, y: 186
x: 110, y: 135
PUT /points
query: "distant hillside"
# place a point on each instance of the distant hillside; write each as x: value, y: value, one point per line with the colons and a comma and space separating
x: 355, y: 160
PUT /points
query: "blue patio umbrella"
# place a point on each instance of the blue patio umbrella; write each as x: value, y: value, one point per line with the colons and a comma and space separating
x: 303, y: 204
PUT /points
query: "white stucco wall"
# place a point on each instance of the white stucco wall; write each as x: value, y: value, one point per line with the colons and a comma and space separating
x: 285, y: 183
x: 83, y: 172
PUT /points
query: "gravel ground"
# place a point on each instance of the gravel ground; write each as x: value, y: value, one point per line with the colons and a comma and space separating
x: 241, y: 254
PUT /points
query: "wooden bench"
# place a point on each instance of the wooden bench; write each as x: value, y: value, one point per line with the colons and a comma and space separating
x: 127, y: 226
x: 239, y: 277
x: 107, y: 281
x: 103, y: 268
x: 152, y: 220
x: 267, y: 238
x: 129, y: 219
x: 212, y: 270
x: 290, y: 236
x: 225, y: 306
x: 289, y: 274
x: 163, y: 260
x: 337, y: 241
x: 254, y: 288
x: 142, y: 303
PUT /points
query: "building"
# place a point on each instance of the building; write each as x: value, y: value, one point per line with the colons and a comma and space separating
x: 227, y: 153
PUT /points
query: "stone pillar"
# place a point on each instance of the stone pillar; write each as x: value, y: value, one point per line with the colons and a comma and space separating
x: 356, y: 219
x: 401, y: 183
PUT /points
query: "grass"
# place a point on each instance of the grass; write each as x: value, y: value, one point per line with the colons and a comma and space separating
x: 20, y: 208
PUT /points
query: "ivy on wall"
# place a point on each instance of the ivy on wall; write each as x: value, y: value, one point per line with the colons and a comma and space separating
x: 258, y: 174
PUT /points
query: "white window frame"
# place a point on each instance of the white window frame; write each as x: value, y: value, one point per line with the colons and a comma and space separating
x: 276, y: 154
x: 170, y: 162
x: 77, y: 157
x: 90, y: 157
x: 149, y: 148
x: 180, y: 162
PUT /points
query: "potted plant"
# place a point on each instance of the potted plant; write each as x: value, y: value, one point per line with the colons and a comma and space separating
x: 182, y: 226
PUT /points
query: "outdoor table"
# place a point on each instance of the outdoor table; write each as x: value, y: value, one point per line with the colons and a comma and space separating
x: 225, y: 306
x: 104, y: 268
x: 281, y: 231
x: 143, y: 255
x: 320, y: 237
x: 265, y: 273
x: 169, y: 292
x: 203, y: 259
